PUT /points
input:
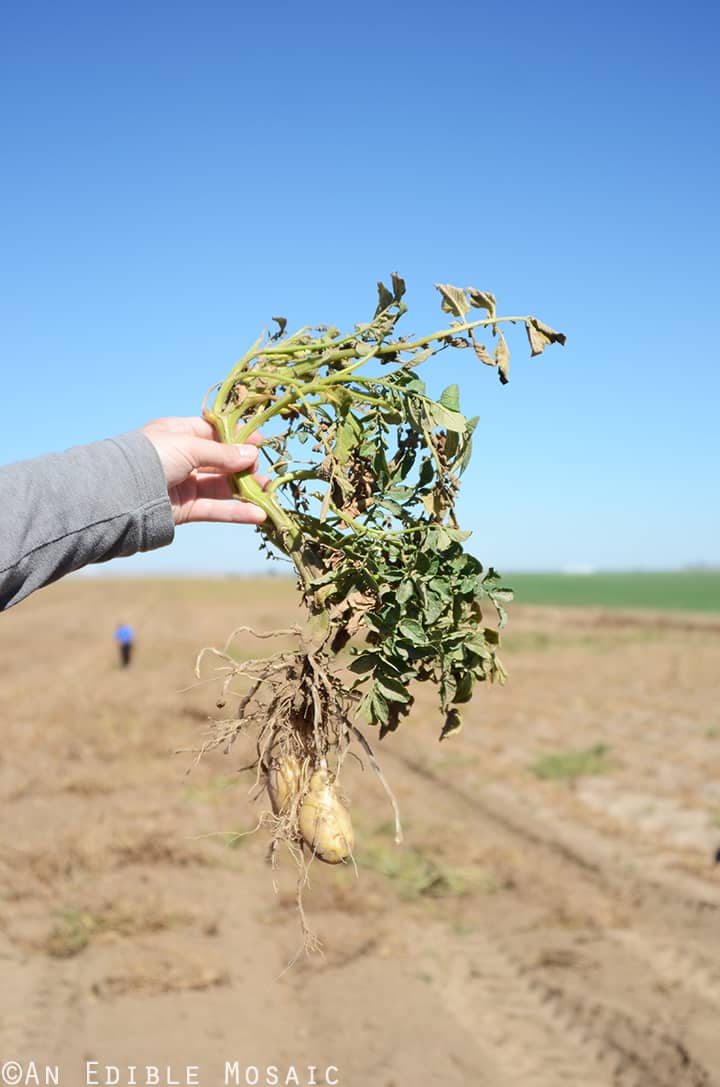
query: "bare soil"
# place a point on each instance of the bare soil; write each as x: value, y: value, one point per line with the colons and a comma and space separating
x: 531, y: 931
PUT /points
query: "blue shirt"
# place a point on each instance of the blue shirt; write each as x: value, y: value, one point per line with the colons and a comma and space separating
x: 124, y: 634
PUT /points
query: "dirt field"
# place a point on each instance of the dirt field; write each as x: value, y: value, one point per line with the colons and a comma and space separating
x: 549, y: 921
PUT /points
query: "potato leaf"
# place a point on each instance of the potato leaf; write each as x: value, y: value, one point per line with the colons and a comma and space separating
x: 453, y: 724
x: 398, y: 286
x: 385, y: 298
x: 454, y: 299
x: 348, y: 434
x: 450, y: 398
x: 483, y: 300
x: 438, y: 415
x: 483, y: 354
x: 366, y: 469
x: 502, y: 358
x: 541, y: 335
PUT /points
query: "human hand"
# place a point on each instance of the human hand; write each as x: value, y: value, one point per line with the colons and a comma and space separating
x: 198, y: 467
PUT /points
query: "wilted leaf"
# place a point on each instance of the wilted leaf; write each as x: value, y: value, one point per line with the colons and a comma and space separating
x: 324, y: 593
x: 426, y: 472
x: 502, y: 358
x: 434, y: 504
x: 453, y: 724
x: 398, y: 285
x: 483, y: 300
x: 541, y: 335
x: 459, y: 535
x: 483, y: 354
x: 385, y: 298
x: 418, y: 357
x: 452, y: 444
x: 464, y: 688
x: 454, y: 299
x: 282, y: 325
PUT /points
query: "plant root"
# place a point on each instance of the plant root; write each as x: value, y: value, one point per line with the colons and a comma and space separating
x: 297, y: 713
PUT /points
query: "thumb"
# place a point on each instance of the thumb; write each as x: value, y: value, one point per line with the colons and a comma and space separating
x: 206, y: 453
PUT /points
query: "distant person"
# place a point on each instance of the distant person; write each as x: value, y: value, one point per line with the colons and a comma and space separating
x: 125, y: 638
x: 113, y: 498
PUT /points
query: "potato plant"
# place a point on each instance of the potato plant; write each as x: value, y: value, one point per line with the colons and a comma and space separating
x: 365, y: 473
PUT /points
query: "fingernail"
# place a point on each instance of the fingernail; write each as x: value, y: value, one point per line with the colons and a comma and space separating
x: 248, y: 452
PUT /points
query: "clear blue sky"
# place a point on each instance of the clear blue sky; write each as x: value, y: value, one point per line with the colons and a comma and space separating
x: 173, y: 174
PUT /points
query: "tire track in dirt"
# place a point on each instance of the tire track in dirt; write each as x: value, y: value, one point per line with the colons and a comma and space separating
x: 545, y: 1036
x: 676, y: 964
x: 566, y: 1027
x: 597, y: 861
x: 671, y: 960
x: 486, y: 993
x: 636, y: 1052
x: 538, y: 1035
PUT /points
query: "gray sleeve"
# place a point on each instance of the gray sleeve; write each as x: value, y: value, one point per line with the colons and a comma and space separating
x: 89, y: 504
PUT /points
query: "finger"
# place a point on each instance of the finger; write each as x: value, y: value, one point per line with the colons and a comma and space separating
x: 188, y: 424
x: 216, y: 485
x: 250, y: 441
x: 218, y: 511
x: 225, y: 458
x: 197, y: 426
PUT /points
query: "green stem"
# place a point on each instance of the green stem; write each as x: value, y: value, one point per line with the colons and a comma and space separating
x: 305, y: 473
x: 392, y: 347
x: 377, y: 533
x: 280, y: 526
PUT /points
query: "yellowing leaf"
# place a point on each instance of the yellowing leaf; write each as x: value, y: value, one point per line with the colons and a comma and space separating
x: 454, y: 299
x: 482, y: 300
x: 453, y: 724
x: 502, y: 358
x: 483, y: 354
x: 540, y: 335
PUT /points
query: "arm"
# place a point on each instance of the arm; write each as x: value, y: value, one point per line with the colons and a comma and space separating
x: 89, y: 504
x: 113, y: 498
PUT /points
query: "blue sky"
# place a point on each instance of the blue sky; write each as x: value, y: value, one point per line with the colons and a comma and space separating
x: 173, y: 174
